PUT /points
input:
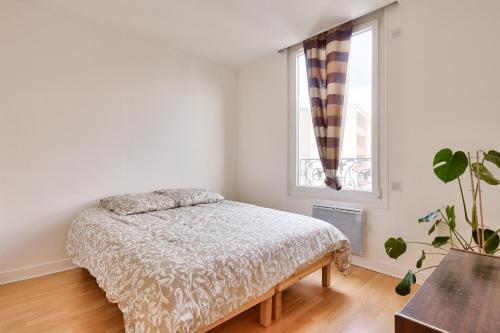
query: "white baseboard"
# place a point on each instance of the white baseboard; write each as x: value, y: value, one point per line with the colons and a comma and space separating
x: 379, y: 266
x: 386, y: 268
x: 29, y: 272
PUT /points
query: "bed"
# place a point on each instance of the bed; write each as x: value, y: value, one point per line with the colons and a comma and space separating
x: 188, y: 269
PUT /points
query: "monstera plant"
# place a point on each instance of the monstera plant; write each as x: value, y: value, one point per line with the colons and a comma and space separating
x: 450, y: 166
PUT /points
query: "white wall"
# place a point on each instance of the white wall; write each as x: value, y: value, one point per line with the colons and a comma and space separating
x: 87, y: 112
x: 443, y: 83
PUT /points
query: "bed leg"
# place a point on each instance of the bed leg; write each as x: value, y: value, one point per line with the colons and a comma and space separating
x: 266, y: 311
x: 277, y: 305
x: 326, y: 274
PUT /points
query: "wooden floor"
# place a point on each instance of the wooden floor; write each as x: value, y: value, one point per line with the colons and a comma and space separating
x: 362, y: 302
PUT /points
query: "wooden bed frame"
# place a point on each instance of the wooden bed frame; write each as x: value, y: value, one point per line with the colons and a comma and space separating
x: 270, y: 302
x: 325, y: 263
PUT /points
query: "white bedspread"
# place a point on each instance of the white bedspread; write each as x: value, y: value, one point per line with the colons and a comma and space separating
x: 179, y: 270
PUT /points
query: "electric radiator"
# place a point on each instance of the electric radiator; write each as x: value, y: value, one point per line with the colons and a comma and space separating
x: 349, y: 221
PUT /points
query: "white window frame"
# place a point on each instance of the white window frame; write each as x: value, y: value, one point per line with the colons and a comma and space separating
x: 378, y: 197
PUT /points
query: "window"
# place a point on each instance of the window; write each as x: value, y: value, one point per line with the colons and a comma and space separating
x: 360, y: 145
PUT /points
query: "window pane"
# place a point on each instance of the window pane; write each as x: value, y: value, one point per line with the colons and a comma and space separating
x: 310, y: 170
x: 356, y: 150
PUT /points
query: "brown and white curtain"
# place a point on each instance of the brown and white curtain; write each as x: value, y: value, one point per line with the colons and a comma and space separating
x: 327, y: 55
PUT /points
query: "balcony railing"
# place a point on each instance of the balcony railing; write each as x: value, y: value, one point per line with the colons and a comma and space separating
x: 354, y: 173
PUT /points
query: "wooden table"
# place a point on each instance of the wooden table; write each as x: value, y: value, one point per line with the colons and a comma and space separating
x: 462, y: 295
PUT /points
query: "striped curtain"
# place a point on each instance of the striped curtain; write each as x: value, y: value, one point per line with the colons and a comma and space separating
x: 327, y: 55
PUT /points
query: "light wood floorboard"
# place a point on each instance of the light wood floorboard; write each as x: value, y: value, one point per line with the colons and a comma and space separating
x: 71, y: 301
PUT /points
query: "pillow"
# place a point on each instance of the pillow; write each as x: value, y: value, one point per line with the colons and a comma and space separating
x: 128, y: 204
x: 184, y: 197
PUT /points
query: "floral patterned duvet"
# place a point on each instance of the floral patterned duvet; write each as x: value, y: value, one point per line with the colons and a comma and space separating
x: 179, y: 270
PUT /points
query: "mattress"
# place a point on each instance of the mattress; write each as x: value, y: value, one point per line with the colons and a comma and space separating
x: 179, y: 270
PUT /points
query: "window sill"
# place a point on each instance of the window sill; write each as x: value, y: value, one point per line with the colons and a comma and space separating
x: 355, y: 199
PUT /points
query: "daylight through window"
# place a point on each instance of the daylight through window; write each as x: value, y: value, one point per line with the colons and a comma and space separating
x: 356, y: 167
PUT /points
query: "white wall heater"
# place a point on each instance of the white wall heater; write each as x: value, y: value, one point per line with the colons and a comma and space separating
x: 349, y: 221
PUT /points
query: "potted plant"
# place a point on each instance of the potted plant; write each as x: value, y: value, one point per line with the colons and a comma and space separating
x: 449, y: 166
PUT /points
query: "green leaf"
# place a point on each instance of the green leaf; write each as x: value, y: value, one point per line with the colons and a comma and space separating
x: 493, y: 157
x: 431, y: 230
x: 450, y: 214
x: 484, y: 174
x: 491, y: 240
x: 474, y: 216
x: 491, y: 243
x: 421, y: 260
x: 404, y: 286
x: 449, y: 166
x: 429, y: 217
x: 395, y: 247
x: 440, y: 240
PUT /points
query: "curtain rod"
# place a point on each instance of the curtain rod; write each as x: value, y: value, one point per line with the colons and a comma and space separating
x: 339, y: 24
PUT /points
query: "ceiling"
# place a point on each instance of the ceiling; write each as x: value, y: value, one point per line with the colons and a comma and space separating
x: 228, y: 32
